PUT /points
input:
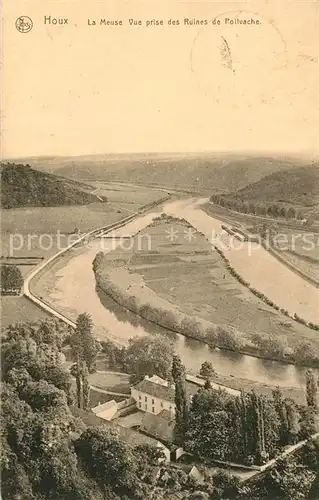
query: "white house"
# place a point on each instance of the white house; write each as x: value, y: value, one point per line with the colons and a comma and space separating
x: 154, y: 394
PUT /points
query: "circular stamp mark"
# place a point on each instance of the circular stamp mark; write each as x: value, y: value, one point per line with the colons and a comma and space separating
x: 232, y: 54
x: 24, y: 24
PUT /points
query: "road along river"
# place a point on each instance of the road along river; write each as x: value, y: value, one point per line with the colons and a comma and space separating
x: 71, y: 289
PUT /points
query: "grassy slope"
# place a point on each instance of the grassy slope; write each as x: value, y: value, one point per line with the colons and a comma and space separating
x: 202, y: 171
x: 23, y: 186
x: 298, y: 186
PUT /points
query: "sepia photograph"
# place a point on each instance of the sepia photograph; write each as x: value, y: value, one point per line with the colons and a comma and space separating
x: 159, y: 250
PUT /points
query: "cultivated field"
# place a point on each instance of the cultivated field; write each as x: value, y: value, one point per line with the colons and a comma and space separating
x: 192, y: 277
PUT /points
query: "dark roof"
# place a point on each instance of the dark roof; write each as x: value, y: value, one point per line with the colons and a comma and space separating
x: 126, y: 434
x: 163, y: 392
x: 158, y: 427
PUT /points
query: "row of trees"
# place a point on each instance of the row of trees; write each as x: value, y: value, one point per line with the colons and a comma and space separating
x: 142, y: 356
x: 273, y: 210
x: 250, y: 428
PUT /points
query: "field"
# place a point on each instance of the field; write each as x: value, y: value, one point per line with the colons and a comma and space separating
x: 36, y: 231
x: 108, y: 381
x: 191, y: 277
x: 32, y: 234
x: 15, y: 309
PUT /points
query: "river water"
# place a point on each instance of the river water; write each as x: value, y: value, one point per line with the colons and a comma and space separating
x: 75, y: 291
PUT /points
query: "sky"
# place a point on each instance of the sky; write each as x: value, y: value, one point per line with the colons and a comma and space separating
x: 80, y: 89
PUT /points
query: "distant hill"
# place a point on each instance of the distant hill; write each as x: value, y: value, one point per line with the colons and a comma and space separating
x: 200, y: 172
x: 22, y: 186
x: 297, y: 186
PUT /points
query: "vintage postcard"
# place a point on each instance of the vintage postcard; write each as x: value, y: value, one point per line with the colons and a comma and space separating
x: 159, y: 256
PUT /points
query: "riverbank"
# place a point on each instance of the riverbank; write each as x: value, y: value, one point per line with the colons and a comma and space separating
x: 147, y: 312
x: 43, y: 266
x: 243, y: 220
x: 134, y: 280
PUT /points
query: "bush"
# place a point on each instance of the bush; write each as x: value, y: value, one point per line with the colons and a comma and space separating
x: 211, y: 336
x: 192, y: 327
x: 228, y: 339
x: 270, y: 345
x: 304, y: 352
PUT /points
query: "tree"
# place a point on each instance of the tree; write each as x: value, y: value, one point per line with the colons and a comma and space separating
x: 76, y: 373
x: 192, y: 327
x: 291, y: 213
x: 83, y: 344
x: 208, y: 434
x: 115, y: 354
x: 252, y: 208
x: 149, y: 356
x: 207, y: 370
x: 227, y: 338
x: 293, y: 421
x: 311, y: 390
x: 11, y: 279
x: 85, y: 387
x: 110, y: 461
x: 308, y: 422
x: 270, y: 345
x: 304, y: 352
x: 181, y: 403
x: 288, y: 480
x: 281, y: 410
x: 97, y: 261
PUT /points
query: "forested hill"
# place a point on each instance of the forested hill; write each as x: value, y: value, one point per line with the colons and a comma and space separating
x: 298, y: 186
x: 293, y: 193
x: 198, y: 172
x: 23, y: 186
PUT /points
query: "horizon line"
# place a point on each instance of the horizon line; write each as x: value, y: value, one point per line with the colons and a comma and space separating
x: 279, y: 153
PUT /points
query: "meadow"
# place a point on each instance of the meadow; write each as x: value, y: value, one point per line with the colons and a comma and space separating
x: 19, y: 309
x: 191, y: 277
x: 32, y: 232
x: 35, y: 225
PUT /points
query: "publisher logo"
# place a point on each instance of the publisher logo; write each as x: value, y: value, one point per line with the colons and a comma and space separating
x: 24, y: 24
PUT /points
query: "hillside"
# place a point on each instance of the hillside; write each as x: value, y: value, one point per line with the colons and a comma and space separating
x: 200, y: 172
x: 22, y: 186
x: 297, y: 186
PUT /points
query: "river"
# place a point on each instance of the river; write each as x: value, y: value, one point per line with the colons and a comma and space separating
x: 74, y: 291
